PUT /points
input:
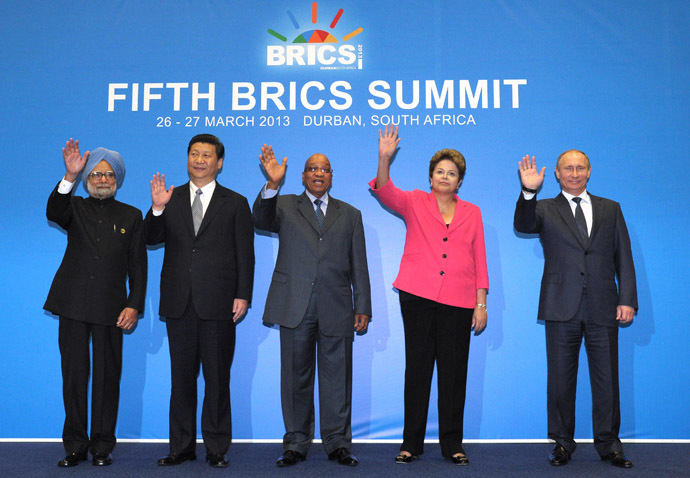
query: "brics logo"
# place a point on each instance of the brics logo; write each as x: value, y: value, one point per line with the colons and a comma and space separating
x: 316, y: 47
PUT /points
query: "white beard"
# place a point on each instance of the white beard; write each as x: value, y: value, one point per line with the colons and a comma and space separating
x: 101, y: 192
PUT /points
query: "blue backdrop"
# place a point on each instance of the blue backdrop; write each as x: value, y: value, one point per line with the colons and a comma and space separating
x: 495, y: 80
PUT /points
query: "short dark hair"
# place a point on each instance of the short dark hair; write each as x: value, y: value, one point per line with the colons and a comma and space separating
x: 208, y: 139
x: 451, y: 155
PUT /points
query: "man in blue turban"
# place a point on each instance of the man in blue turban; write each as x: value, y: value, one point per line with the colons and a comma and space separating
x: 114, y: 160
x: 105, y: 250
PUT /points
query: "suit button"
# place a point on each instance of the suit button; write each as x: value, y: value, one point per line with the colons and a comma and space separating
x: 445, y: 239
x: 442, y: 273
x: 193, y: 250
x: 95, y: 257
x: 98, y: 239
x: 444, y: 255
x: 582, y: 273
x: 320, y: 239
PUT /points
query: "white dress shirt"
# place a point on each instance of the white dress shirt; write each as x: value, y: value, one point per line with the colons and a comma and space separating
x: 586, y: 205
x: 269, y: 193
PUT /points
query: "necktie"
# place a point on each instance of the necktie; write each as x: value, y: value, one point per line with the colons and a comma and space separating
x: 197, y: 211
x: 319, y: 213
x: 580, y: 220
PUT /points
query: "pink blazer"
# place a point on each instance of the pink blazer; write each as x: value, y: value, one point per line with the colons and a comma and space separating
x: 446, y: 265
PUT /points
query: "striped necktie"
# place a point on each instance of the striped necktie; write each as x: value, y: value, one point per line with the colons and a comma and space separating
x: 319, y: 213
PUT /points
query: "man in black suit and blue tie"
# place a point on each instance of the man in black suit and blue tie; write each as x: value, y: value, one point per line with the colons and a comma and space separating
x: 206, y: 286
x: 587, y: 290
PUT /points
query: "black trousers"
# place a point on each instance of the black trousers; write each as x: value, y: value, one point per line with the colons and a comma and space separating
x: 74, y: 337
x: 301, y: 349
x: 434, y: 333
x: 195, y: 342
x: 563, y: 342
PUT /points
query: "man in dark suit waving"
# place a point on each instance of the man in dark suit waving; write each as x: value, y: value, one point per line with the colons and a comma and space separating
x: 206, y: 286
x: 321, y: 270
x: 105, y: 253
x: 586, y: 248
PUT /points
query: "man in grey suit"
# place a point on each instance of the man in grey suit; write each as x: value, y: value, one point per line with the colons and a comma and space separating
x: 586, y: 248
x: 321, y: 271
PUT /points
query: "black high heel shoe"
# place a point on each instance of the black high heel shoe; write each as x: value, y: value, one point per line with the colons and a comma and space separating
x: 404, y: 459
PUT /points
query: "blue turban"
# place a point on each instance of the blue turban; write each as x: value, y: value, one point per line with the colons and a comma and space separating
x: 113, y: 158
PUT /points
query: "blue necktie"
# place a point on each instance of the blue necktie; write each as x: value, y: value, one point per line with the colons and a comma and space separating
x: 319, y: 213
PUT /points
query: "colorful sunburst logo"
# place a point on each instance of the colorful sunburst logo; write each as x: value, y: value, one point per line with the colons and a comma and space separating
x: 315, y: 47
x: 315, y: 36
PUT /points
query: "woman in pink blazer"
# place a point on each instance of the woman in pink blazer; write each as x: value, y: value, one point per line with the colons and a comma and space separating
x: 443, y: 282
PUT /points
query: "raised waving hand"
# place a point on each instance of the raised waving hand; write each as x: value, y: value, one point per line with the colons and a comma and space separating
x: 159, y: 195
x: 531, y: 179
x: 74, y: 161
x: 275, y: 171
x: 388, y: 143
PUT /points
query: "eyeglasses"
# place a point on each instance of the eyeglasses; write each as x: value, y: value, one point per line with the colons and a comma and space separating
x: 313, y: 169
x: 97, y: 175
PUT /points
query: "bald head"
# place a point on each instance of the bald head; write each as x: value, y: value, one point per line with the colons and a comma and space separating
x: 317, y: 175
x: 317, y: 157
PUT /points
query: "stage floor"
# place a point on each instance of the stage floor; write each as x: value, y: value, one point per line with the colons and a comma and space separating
x: 138, y: 460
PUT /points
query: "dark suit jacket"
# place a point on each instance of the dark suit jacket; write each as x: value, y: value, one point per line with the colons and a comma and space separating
x: 105, y: 247
x: 569, y: 263
x: 216, y: 265
x: 337, y: 260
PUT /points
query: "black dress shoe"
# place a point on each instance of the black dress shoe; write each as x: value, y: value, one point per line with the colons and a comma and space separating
x: 405, y: 459
x: 73, y: 459
x: 217, y: 460
x: 559, y: 456
x: 176, y: 458
x: 289, y: 458
x: 460, y: 460
x: 343, y: 456
x: 102, y: 459
x: 617, y: 458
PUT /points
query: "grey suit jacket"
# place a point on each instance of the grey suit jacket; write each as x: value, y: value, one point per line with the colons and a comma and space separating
x: 334, y: 262
x: 571, y: 263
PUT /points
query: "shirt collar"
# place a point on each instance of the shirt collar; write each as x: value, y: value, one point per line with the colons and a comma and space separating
x: 313, y: 198
x: 584, y: 195
x: 206, y: 190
